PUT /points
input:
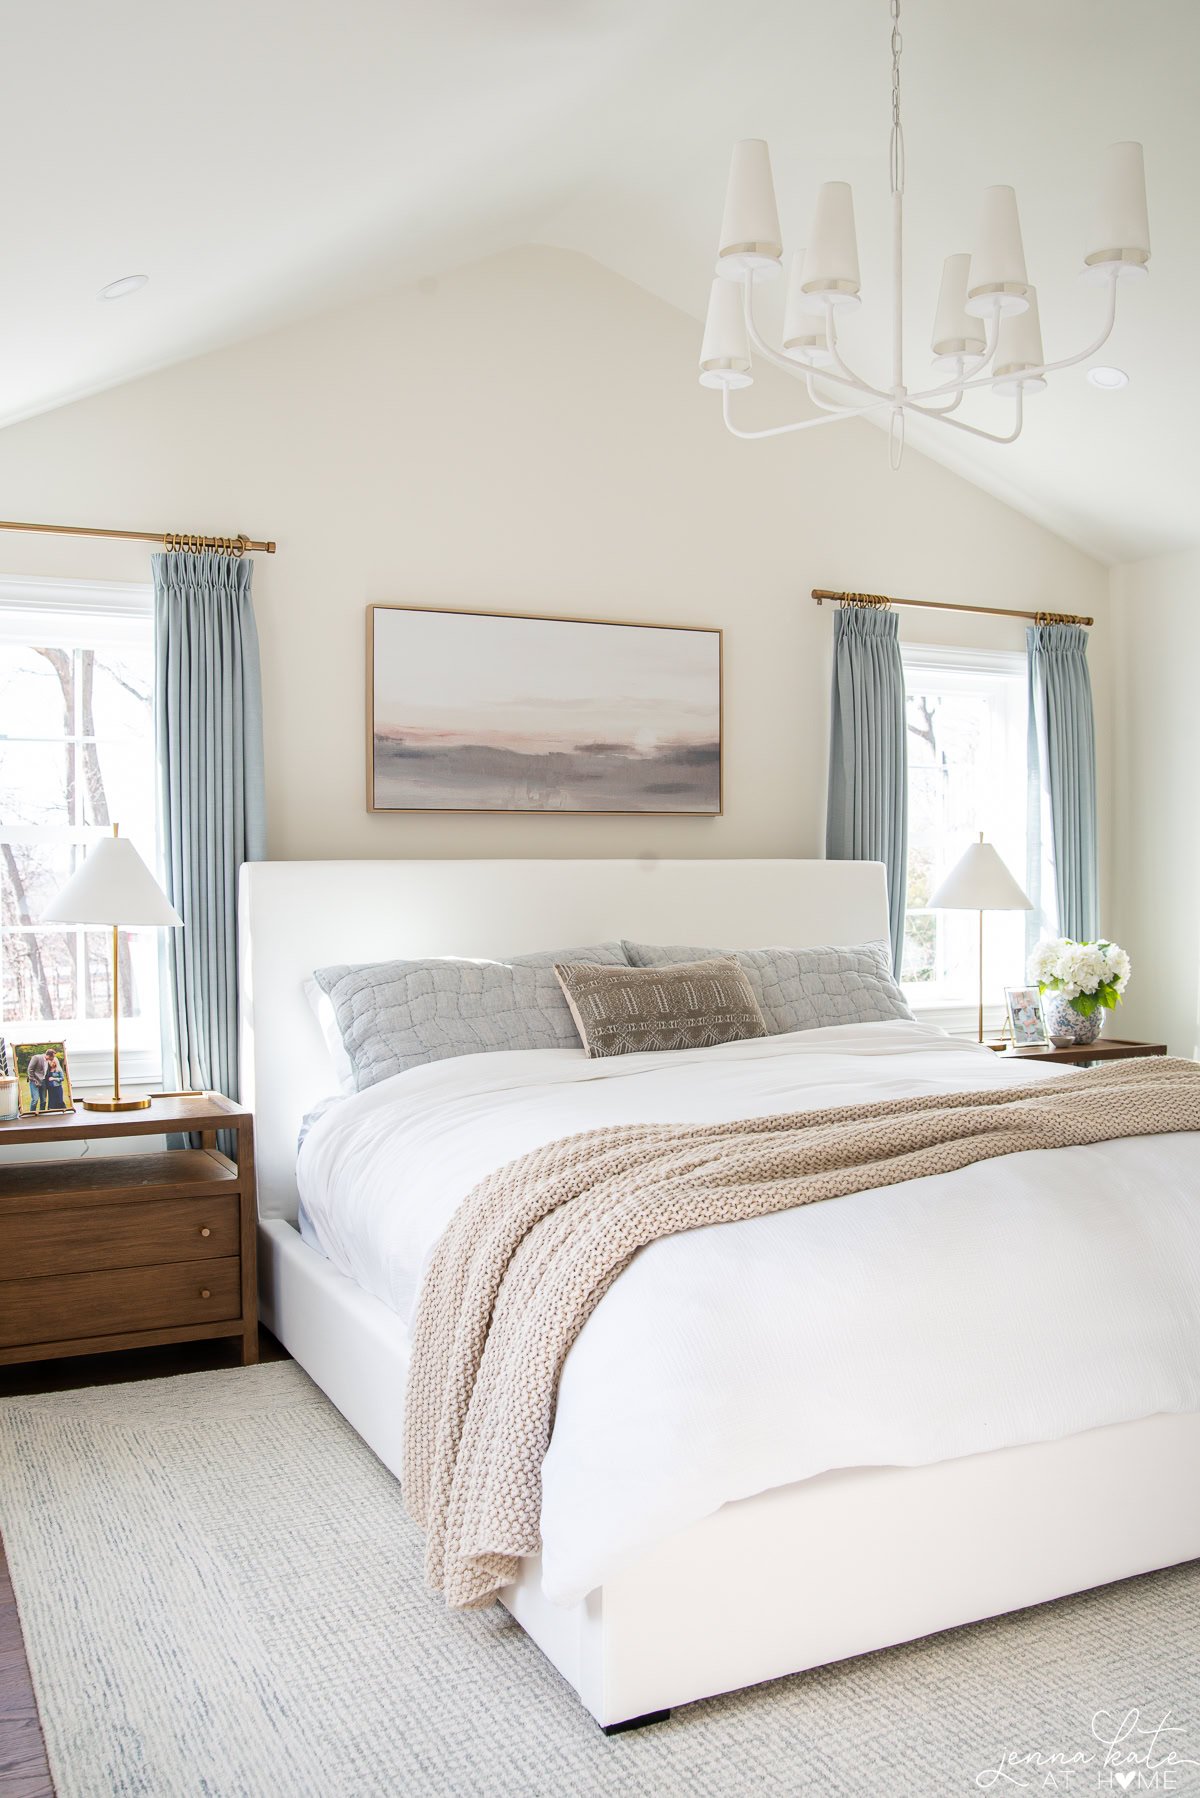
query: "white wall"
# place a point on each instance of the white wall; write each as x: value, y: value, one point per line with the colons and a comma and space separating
x: 1156, y: 744
x: 528, y: 434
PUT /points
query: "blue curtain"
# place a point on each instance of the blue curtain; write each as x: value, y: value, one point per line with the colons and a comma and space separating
x: 1062, y: 775
x: 868, y: 753
x: 208, y: 730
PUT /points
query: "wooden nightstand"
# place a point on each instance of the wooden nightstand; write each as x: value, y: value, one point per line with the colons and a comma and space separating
x: 1103, y: 1049
x: 125, y: 1251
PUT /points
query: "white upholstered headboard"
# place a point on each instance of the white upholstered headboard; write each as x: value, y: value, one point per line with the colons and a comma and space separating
x: 297, y: 916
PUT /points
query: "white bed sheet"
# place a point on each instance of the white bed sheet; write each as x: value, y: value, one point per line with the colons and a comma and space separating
x: 1020, y: 1300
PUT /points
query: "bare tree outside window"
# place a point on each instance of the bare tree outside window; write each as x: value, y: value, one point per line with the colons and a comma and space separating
x: 965, y: 722
x: 76, y: 753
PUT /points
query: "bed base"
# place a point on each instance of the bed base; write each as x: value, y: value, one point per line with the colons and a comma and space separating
x: 835, y: 1566
x: 620, y: 1729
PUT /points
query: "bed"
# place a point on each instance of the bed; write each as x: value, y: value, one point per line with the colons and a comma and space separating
x: 814, y: 1569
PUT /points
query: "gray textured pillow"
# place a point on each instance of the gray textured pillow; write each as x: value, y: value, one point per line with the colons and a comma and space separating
x: 803, y: 989
x: 394, y: 1015
x: 690, y: 1005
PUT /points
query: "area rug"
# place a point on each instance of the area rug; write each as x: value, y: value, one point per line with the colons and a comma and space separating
x: 221, y: 1595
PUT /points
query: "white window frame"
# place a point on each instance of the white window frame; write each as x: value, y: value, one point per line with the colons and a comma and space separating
x: 109, y: 599
x: 956, y: 1018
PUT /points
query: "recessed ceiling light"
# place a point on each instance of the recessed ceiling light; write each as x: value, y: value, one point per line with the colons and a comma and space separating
x: 1108, y: 377
x: 117, y: 290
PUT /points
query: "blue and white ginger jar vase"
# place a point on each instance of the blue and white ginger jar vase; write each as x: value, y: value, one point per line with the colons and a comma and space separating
x: 1068, y: 1028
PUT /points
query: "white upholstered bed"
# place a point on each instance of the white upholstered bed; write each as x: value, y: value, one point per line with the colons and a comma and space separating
x: 802, y: 1573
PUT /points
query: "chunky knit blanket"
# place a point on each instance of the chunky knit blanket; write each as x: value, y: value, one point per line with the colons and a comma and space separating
x: 534, y: 1247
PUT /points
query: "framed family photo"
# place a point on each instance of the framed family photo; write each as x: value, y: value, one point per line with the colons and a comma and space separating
x: 1025, y: 1017
x: 43, y: 1083
x: 504, y: 712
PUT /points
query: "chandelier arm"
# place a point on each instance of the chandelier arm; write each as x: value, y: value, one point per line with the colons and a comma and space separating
x: 797, y: 370
x: 939, y: 411
x: 848, y: 374
x: 1047, y: 368
x: 815, y: 374
x: 962, y: 381
x: 956, y: 424
x: 803, y: 424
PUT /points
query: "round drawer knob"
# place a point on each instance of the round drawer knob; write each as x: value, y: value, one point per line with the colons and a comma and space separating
x: 205, y: 1231
x: 205, y: 1293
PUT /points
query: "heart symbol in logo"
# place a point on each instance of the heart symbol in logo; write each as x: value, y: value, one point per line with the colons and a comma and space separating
x: 1125, y: 1780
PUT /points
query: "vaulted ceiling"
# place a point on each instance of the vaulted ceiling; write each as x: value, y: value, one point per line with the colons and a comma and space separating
x: 259, y: 159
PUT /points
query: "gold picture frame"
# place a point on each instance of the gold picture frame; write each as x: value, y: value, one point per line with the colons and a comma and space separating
x: 671, y: 753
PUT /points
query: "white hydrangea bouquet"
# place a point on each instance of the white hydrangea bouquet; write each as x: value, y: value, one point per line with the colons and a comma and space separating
x: 1082, y: 981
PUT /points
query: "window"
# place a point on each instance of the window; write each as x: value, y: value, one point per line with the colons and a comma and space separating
x: 76, y: 754
x: 967, y: 720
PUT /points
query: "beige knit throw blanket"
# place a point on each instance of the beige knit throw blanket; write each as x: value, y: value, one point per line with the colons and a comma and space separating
x: 534, y: 1247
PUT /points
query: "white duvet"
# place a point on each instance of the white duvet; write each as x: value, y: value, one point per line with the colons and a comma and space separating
x: 1018, y: 1300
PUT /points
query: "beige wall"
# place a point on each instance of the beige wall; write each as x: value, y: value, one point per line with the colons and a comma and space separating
x: 1156, y: 743
x: 528, y: 434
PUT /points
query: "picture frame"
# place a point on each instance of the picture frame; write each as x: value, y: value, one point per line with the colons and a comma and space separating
x: 43, y: 1080
x: 1025, y: 1018
x: 521, y: 712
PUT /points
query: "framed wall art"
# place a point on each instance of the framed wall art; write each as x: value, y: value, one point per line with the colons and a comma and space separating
x: 500, y: 712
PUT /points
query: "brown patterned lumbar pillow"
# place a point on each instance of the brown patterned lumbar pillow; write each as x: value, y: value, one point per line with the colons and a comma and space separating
x: 692, y: 1005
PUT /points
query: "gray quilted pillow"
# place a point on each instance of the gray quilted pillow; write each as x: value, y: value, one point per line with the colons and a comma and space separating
x: 394, y: 1015
x: 803, y: 989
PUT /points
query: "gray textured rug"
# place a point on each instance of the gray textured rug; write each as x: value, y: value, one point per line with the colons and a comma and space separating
x: 221, y: 1595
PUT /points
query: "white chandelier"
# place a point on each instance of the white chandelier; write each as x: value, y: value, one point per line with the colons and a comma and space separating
x: 986, y: 333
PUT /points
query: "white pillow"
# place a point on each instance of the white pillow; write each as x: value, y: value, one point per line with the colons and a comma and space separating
x: 322, y: 1007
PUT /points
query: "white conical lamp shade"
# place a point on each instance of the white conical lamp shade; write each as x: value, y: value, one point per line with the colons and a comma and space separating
x: 1019, y: 347
x: 725, y: 350
x: 1120, y: 236
x: 831, y: 263
x: 997, y: 281
x: 114, y: 886
x: 979, y: 881
x: 955, y: 332
x: 751, y: 244
x: 804, y: 335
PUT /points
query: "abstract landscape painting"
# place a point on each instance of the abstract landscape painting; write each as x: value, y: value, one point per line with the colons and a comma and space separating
x: 478, y: 711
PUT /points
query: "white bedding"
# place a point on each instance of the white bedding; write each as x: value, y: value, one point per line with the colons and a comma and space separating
x: 1019, y: 1300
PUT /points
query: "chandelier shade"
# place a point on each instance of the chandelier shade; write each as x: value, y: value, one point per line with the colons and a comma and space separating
x: 1121, y: 233
x: 751, y: 242
x: 1019, y: 349
x: 987, y: 335
x: 997, y: 282
x: 725, y: 351
x: 831, y: 263
x: 955, y: 332
x: 804, y: 335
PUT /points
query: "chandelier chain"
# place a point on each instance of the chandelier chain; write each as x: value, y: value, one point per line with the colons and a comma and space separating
x: 896, y: 146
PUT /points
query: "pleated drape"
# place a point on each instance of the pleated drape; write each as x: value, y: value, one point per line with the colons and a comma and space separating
x: 208, y: 700
x: 867, y: 816
x: 1062, y: 771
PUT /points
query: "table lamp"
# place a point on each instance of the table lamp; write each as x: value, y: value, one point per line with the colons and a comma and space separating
x: 980, y: 882
x: 114, y: 886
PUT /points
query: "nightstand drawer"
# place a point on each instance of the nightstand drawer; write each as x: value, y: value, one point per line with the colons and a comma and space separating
x: 68, y: 1307
x: 99, y: 1236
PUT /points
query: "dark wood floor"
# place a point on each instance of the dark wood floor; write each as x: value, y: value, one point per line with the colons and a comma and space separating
x: 23, y: 1769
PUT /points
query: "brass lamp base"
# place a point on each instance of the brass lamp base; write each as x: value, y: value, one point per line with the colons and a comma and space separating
x: 115, y: 1104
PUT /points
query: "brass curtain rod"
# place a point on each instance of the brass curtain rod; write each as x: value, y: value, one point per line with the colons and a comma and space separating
x: 171, y: 540
x: 880, y: 602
